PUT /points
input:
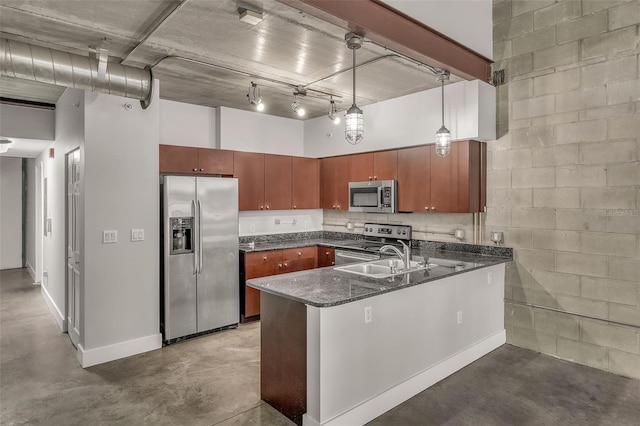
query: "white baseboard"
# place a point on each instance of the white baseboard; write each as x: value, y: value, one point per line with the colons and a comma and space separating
x: 31, y: 271
x: 91, y: 357
x: 57, y: 315
x: 384, y: 402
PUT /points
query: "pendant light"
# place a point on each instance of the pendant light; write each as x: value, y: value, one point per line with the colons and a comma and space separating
x: 354, y: 120
x: 443, y: 136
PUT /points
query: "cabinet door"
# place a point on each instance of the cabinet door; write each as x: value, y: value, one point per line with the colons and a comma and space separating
x: 326, y: 257
x: 248, y: 167
x: 385, y: 165
x: 215, y: 161
x: 298, y: 259
x: 361, y: 167
x: 445, y: 180
x: 259, y: 264
x: 414, y: 179
x: 178, y: 159
x: 305, y: 177
x: 277, y: 182
x: 334, y: 182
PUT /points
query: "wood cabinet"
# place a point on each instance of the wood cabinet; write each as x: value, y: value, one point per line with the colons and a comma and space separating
x: 453, y: 184
x: 248, y: 167
x: 298, y: 259
x: 379, y: 165
x: 190, y: 160
x: 273, y: 262
x: 326, y: 256
x: 305, y: 177
x: 277, y: 182
x: 334, y: 182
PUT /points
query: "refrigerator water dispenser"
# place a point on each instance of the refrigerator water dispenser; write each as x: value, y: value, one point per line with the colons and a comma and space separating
x: 181, y: 235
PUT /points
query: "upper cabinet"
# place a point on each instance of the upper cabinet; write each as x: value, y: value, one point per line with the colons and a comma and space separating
x: 248, y: 167
x: 305, y: 177
x: 380, y: 165
x: 453, y: 184
x: 184, y: 159
x: 334, y: 182
x: 277, y: 182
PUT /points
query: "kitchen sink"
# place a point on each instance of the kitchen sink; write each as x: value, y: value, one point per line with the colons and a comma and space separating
x: 383, y: 268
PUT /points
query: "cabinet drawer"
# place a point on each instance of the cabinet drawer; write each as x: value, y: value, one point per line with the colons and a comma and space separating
x: 263, y: 263
x: 298, y: 259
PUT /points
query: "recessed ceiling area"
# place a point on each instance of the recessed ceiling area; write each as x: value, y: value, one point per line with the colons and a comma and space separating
x: 203, y: 54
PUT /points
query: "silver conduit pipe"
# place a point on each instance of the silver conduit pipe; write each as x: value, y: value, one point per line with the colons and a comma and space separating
x: 29, y: 62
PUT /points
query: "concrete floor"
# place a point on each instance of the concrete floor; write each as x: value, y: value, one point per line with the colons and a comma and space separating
x: 214, y: 380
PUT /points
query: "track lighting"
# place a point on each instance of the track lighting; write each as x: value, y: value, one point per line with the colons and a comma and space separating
x: 254, y: 97
x: 333, y: 111
x: 354, y: 120
x: 296, y: 107
x: 443, y: 136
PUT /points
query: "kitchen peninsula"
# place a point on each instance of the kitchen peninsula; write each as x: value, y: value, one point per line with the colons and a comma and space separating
x: 338, y: 348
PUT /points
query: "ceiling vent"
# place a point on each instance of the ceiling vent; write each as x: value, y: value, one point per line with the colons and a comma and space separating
x: 250, y: 17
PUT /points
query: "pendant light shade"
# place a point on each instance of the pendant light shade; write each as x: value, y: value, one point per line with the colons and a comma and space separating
x: 443, y: 136
x: 354, y: 120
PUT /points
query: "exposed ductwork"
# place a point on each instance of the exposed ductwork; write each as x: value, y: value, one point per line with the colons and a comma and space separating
x: 29, y: 62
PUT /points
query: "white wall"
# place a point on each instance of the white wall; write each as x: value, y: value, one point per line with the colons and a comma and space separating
x: 10, y: 213
x: 469, y: 22
x: 121, y: 281
x: 187, y: 125
x: 410, y: 120
x: 69, y: 136
x: 264, y: 223
x: 30, y: 225
x: 252, y: 131
x: 26, y: 122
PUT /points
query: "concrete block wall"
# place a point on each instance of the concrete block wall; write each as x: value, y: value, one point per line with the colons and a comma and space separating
x: 564, y: 177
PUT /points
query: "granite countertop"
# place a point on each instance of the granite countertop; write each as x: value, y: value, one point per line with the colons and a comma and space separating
x: 287, y: 244
x: 327, y: 287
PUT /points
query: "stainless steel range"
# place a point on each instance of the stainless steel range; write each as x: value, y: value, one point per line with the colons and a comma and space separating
x: 375, y: 236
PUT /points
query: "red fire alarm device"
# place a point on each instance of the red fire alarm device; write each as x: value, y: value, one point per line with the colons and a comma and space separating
x: 51, y: 153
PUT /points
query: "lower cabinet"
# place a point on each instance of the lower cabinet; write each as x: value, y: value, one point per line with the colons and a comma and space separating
x: 273, y: 262
x: 326, y: 257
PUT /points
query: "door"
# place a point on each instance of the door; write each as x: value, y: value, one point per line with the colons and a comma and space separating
x: 248, y: 167
x: 305, y: 185
x: 73, y: 246
x: 178, y: 159
x: 334, y: 182
x: 218, y: 294
x: 414, y: 179
x: 180, y: 268
x: 385, y: 165
x: 277, y: 182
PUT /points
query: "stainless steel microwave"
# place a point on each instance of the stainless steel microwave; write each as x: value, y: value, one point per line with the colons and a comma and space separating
x: 373, y: 196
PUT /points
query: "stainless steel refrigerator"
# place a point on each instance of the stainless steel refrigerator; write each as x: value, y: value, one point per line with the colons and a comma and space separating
x: 200, y: 255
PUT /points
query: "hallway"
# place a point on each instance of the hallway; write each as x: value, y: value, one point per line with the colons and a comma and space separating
x: 214, y: 380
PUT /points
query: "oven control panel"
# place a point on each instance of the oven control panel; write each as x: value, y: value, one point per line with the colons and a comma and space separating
x: 398, y: 232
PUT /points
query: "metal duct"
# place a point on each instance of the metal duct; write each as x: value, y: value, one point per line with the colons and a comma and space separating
x: 29, y: 62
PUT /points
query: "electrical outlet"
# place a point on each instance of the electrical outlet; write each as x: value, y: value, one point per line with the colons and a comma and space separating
x: 459, y: 317
x: 252, y: 227
x: 489, y: 278
x: 368, y: 314
x: 109, y: 237
x: 137, y: 235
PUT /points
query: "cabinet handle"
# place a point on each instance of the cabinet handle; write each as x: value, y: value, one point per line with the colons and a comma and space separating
x: 284, y: 264
x: 375, y: 178
x: 299, y: 253
x: 294, y: 207
x: 267, y: 207
x: 195, y: 170
x: 265, y: 258
x: 370, y: 178
x: 202, y: 170
x: 426, y: 208
x: 261, y: 207
x: 433, y: 208
x: 280, y: 265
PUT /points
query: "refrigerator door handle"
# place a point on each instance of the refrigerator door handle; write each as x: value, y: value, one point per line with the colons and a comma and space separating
x: 200, y: 259
x: 195, y: 235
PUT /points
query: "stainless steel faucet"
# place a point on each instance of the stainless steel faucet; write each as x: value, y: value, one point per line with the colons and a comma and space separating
x: 406, y: 256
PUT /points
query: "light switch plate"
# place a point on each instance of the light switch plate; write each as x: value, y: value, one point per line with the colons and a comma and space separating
x: 109, y: 236
x: 137, y: 235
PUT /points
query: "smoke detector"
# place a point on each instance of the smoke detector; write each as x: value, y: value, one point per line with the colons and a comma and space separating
x: 250, y: 17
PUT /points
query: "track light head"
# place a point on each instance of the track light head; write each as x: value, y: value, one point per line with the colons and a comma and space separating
x: 296, y: 107
x: 254, y: 97
x: 333, y: 112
